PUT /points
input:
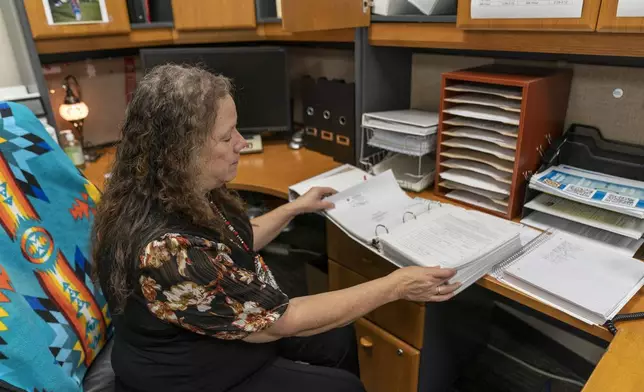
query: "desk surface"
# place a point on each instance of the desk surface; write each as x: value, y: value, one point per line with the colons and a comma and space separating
x: 278, y: 167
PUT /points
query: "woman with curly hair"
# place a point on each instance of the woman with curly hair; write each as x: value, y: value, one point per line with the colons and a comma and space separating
x: 195, y: 308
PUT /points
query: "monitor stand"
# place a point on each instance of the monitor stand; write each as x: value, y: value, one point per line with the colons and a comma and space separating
x: 254, y: 143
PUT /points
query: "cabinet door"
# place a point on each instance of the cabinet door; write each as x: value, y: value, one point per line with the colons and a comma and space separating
x: 404, y: 319
x: 587, y: 22
x: 213, y: 14
x: 312, y: 15
x: 611, y: 23
x: 115, y: 13
x: 387, y: 364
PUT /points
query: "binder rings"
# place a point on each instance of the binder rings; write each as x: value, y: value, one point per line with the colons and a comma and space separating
x: 411, y: 231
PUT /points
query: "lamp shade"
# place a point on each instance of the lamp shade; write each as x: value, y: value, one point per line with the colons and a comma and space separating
x: 73, y: 111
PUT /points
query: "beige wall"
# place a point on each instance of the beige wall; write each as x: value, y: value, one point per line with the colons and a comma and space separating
x: 591, y: 97
x: 9, y: 74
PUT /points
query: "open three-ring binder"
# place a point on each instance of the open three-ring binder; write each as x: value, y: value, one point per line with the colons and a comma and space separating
x: 411, y: 231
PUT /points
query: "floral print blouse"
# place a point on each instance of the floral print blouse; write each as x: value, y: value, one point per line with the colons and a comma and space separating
x: 194, y: 283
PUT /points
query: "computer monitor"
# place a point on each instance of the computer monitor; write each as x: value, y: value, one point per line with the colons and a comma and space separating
x: 259, y: 74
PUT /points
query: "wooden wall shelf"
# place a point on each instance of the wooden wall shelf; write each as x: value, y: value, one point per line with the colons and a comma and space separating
x: 139, y: 38
x: 448, y: 36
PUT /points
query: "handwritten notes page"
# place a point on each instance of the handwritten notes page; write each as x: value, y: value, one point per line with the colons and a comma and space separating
x: 582, y: 273
x: 528, y: 9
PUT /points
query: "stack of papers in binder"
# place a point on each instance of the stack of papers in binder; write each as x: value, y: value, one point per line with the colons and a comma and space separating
x: 469, y: 241
x: 574, y: 275
x: 411, y: 132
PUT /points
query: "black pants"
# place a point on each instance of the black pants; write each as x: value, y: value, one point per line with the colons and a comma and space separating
x: 321, y: 363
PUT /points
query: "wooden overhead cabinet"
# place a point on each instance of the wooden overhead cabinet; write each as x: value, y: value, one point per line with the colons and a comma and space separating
x: 194, y: 15
x: 315, y: 15
x: 609, y: 21
x: 587, y: 21
x: 117, y: 21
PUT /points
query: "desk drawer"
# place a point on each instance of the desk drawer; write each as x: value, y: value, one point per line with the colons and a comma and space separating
x: 387, y: 364
x: 403, y: 319
x: 344, y: 250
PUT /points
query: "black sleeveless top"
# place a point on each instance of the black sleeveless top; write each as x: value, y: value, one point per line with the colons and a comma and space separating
x: 195, y: 299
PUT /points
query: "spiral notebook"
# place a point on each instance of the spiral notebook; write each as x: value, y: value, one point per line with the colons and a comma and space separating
x: 574, y: 275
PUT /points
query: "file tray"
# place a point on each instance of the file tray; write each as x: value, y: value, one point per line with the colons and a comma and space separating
x: 584, y: 146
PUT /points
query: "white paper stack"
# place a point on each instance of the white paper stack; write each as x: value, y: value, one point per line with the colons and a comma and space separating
x: 574, y: 275
x: 411, y: 132
x: 479, y: 143
x: 596, y: 189
x: 469, y: 241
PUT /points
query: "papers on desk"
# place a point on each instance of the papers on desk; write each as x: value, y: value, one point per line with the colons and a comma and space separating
x: 502, y: 9
x: 374, y: 206
x: 630, y: 8
x: 477, y: 200
x: 574, y: 275
x: 339, y: 179
x: 468, y: 241
x: 615, y: 242
x: 495, y: 197
x: 588, y: 215
x: 600, y: 190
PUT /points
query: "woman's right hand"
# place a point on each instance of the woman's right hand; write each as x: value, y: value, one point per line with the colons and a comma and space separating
x: 424, y: 284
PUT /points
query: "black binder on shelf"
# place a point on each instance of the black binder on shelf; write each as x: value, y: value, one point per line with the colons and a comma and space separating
x: 585, y: 147
x: 329, y: 117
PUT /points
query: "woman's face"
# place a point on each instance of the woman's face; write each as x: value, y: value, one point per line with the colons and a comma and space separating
x: 220, y: 155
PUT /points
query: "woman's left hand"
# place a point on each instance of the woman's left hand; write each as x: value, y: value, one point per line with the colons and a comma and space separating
x: 313, y: 200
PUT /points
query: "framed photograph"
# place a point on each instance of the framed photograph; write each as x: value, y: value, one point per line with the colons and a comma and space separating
x: 61, y: 12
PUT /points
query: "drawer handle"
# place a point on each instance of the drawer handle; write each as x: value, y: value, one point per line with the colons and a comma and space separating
x: 366, y: 342
x: 400, y: 352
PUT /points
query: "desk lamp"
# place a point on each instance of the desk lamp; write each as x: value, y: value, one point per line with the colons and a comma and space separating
x: 74, y: 109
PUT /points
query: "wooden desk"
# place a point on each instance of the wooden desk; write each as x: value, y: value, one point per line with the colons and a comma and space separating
x: 278, y: 167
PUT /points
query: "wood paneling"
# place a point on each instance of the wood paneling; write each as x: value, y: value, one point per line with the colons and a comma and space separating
x: 313, y: 15
x: 135, y: 39
x: 213, y: 14
x: 587, y: 22
x: 119, y: 22
x: 276, y: 32
x: 448, y: 36
x: 609, y: 22
x: 404, y: 319
x: 387, y: 364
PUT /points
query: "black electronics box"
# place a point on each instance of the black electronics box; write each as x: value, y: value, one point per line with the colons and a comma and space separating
x: 329, y: 118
